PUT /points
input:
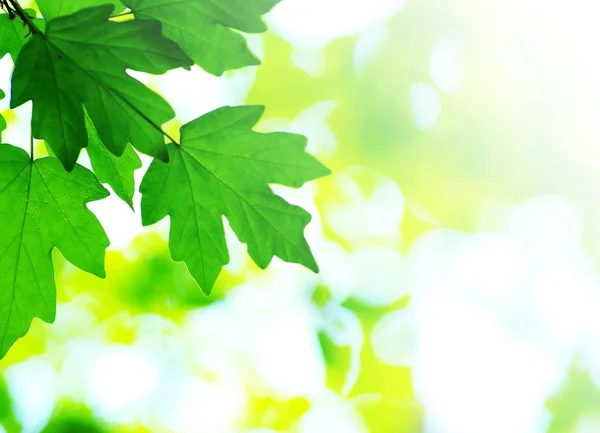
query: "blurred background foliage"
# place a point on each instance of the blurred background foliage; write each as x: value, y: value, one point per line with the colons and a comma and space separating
x: 458, y: 241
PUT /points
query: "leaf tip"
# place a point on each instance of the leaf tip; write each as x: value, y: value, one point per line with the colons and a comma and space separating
x: 324, y: 171
x: 206, y: 284
x: 311, y: 264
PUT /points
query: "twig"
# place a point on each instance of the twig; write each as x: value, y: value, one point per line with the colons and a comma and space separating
x: 16, y: 7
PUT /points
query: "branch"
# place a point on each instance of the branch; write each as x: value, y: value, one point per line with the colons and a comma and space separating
x: 24, y: 17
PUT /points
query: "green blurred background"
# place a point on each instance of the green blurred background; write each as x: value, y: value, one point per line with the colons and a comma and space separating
x: 458, y: 241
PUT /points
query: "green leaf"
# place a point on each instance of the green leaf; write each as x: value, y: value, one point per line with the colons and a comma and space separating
x: 54, y: 8
x: 13, y: 34
x: 42, y: 207
x: 81, y: 60
x: 117, y: 171
x: 223, y: 168
x: 204, y: 28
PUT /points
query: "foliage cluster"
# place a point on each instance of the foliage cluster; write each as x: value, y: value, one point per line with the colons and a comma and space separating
x: 71, y: 63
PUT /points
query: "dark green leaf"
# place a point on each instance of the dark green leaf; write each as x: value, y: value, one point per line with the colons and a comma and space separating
x: 82, y: 60
x: 42, y: 207
x: 54, y: 8
x: 204, y: 28
x: 223, y: 168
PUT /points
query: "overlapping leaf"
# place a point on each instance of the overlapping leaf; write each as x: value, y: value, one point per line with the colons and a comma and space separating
x: 223, y: 168
x: 204, y: 28
x: 117, y: 171
x: 81, y: 59
x: 42, y: 207
x: 74, y: 69
x: 55, y: 8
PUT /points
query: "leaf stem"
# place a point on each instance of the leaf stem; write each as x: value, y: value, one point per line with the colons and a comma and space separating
x: 166, y: 134
x: 147, y: 119
x: 24, y: 17
x: 31, y: 150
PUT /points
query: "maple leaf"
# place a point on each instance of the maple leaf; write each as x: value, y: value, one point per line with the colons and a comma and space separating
x: 204, y: 28
x: 42, y: 207
x: 81, y: 60
x: 223, y: 168
x: 117, y: 171
x: 74, y: 66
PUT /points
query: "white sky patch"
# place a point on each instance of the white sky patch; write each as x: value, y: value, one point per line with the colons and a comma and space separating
x: 344, y: 329
x: 381, y: 275
x: 17, y: 132
x: 196, y: 92
x: 336, y: 272
x: 257, y: 430
x: 203, y: 406
x: 33, y: 389
x: 486, y: 365
x: 310, y: 61
x: 284, y: 355
x: 265, y: 330
x: 238, y: 252
x: 425, y: 105
x: 549, y: 224
x: 373, y: 275
x: 394, y: 338
x: 369, y: 46
x: 312, y: 123
x: 332, y: 415
x: 120, y: 378
x: 312, y: 24
x: 499, y: 312
x: 589, y: 423
x: 121, y: 224
x: 378, y: 212
x: 445, y: 64
x: 75, y: 318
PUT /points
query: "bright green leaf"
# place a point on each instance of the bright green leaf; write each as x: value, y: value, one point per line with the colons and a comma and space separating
x: 82, y: 59
x: 54, y: 8
x: 223, y: 168
x: 117, y: 171
x: 42, y: 207
x: 204, y: 28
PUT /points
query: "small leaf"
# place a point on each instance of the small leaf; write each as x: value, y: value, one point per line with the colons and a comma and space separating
x: 117, y: 171
x: 204, y: 28
x: 223, y: 168
x: 42, y: 207
x: 81, y: 60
